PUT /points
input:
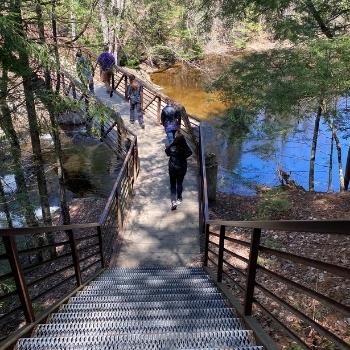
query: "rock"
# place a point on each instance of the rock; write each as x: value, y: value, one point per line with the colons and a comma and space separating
x: 70, y: 118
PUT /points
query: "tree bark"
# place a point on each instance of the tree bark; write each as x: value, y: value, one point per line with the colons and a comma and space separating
x: 314, y: 149
x: 5, y: 206
x: 46, y: 98
x: 33, y: 122
x: 104, y: 21
x: 321, y: 23
x: 340, y: 165
x: 55, y: 40
x: 330, y: 169
x: 9, y: 130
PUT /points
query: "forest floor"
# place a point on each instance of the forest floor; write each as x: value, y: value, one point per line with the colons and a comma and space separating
x: 280, y: 204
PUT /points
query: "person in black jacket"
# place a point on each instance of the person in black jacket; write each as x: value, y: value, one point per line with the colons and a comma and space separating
x: 178, y: 151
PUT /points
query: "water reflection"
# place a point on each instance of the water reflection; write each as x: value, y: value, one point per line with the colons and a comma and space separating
x: 90, y: 171
x: 245, y: 165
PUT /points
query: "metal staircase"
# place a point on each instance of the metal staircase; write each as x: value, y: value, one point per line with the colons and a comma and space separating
x: 144, y: 308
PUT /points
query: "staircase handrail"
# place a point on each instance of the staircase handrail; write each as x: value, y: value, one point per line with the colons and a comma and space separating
x: 218, y: 252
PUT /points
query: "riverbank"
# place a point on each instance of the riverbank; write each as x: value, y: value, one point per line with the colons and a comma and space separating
x: 279, y: 204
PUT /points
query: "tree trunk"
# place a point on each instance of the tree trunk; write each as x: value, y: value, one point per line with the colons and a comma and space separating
x: 104, y: 21
x: 9, y: 130
x: 33, y: 123
x: 330, y: 169
x: 314, y: 149
x: 340, y: 165
x: 73, y: 24
x: 49, y: 94
x: 56, y: 53
x: 5, y: 206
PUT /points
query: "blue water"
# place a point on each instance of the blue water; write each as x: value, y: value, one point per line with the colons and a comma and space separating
x: 255, y: 161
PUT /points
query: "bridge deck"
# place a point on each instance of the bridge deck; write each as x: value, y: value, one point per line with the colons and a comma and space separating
x: 155, y: 235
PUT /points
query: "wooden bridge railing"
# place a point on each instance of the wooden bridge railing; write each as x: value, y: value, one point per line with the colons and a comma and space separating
x: 153, y: 101
x: 253, y: 278
x: 36, y: 277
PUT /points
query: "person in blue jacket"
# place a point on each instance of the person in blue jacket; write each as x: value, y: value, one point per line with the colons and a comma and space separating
x: 171, y: 120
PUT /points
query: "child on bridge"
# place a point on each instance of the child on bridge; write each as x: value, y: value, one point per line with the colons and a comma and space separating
x: 134, y: 96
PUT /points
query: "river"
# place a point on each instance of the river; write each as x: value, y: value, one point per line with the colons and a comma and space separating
x: 90, y: 170
x: 253, y: 162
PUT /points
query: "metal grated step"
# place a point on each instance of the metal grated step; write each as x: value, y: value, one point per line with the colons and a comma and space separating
x: 145, y: 306
x: 154, y: 326
x: 210, y: 339
x: 146, y: 285
x: 154, y: 269
x: 154, y: 272
x: 130, y: 315
x: 144, y: 309
x: 158, y: 291
x: 118, y: 276
x: 186, y: 280
x: 81, y: 299
x: 163, y: 283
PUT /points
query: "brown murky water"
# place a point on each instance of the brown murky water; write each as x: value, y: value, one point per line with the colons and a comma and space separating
x: 187, y: 85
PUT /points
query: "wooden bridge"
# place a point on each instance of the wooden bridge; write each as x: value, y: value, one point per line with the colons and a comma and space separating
x: 146, y: 277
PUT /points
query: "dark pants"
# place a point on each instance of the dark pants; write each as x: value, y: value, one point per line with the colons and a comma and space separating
x: 136, y: 113
x: 176, y: 180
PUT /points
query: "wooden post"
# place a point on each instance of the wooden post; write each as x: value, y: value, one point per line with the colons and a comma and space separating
x: 75, y: 256
x: 22, y: 290
x: 100, y: 241
x: 206, y: 245
x: 221, y: 253
x: 252, y: 265
x: 126, y: 86
x: 159, y: 106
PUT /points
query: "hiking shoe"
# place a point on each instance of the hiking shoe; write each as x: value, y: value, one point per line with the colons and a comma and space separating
x: 173, y: 205
x: 132, y: 122
x: 179, y: 201
x: 142, y: 126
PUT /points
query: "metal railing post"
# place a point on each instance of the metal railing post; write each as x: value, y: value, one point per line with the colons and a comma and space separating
x: 126, y: 86
x: 75, y: 256
x: 22, y: 290
x: 206, y: 244
x: 221, y: 253
x: 252, y: 266
x: 100, y: 242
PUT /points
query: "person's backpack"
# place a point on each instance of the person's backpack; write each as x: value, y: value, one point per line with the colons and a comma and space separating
x: 135, y: 94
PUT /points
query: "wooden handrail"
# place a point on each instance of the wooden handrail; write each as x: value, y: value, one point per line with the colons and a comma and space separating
x: 316, y: 226
x: 44, y: 229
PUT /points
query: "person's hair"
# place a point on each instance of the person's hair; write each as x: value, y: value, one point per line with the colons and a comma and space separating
x: 132, y: 77
x: 106, y: 48
x: 179, y: 139
x: 78, y: 53
x: 168, y: 101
